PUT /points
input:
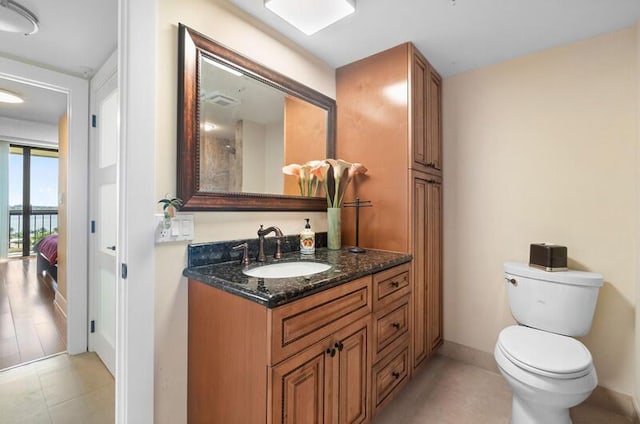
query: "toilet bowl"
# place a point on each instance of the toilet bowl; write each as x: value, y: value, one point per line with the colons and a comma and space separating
x: 547, y: 372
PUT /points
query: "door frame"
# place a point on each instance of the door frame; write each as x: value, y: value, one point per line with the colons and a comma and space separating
x: 77, y: 91
x: 137, y: 39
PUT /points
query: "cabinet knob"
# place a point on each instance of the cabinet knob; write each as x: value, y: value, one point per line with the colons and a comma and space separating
x: 396, y: 325
x: 339, y: 346
x: 396, y: 374
x: 395, y: 284
x: 431, y: 164
x: 331, y: 352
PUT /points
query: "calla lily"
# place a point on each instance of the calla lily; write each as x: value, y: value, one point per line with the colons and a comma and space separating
x: 293, y: 169
x: 336, y: 174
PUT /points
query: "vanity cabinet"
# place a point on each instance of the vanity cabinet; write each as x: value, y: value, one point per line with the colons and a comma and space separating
x: 389, y: 118
x: 333, y: 357
x: 326, y: 383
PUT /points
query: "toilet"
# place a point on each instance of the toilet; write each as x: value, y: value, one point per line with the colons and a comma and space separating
x: 548, y: 370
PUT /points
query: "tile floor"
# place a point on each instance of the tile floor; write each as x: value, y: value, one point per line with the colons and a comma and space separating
x: 30, y: 325
x: 446, y: 391
x: 61, y: 389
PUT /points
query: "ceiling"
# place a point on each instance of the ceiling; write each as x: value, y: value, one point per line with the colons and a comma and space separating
x: 456, y: 35
x: 74, y: 37
x: 40, y: 104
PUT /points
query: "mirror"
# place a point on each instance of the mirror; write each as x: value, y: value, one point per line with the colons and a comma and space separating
x: 239, y: 123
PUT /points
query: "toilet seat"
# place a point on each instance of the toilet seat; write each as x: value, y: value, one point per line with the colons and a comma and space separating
x: 546, y: 354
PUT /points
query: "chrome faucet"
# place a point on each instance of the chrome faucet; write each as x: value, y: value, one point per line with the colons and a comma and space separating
x: 262, y: 232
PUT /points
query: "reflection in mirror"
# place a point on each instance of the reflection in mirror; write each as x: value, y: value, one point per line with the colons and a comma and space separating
x: 250, y: 130
x: 239, y: 123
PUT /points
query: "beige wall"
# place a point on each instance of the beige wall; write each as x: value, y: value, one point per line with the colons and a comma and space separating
x: 537, y: 149
x: 222, y: 23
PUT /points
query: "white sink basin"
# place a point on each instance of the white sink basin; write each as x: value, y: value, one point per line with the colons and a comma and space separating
x: 287, y: 269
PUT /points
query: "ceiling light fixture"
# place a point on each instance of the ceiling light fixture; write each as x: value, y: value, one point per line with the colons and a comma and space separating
x: 9, y: 97
x: 17, y: 18
x: 310, y: 16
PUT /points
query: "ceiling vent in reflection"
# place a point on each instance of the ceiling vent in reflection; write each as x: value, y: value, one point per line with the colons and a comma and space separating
x: 219, y: 99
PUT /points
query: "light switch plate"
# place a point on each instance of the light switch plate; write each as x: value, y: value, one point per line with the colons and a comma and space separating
x: 181, y: 228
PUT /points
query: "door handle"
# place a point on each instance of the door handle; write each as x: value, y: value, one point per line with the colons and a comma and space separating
x: 112, y: 248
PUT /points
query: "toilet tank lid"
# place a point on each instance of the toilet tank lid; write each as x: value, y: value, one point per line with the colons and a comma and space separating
x: 579, y: 278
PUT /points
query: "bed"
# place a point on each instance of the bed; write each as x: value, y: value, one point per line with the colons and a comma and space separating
x: 47, y: 256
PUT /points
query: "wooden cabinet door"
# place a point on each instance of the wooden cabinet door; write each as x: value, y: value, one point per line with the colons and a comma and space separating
x: 353, y: 365
x: 434, y: 264
x: 299, y: 387
x: 434, y: 120
x: 419, y: 107
x: 419, y: 273
x: 427, y: 265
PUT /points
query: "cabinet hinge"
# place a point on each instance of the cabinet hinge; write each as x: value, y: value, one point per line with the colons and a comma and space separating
x: 93, y: 326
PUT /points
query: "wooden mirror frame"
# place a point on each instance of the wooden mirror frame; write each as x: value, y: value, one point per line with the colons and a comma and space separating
x: 192, y: 45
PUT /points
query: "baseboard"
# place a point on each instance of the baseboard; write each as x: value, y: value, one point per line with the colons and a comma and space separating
x: 602, y: 397
x: 468, y: 355
x: 61, y: 304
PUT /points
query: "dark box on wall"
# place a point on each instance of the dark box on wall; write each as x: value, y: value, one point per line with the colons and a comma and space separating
x: 549, y: 257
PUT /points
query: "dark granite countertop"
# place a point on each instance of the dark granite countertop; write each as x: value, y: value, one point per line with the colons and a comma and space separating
x: 272, y: 292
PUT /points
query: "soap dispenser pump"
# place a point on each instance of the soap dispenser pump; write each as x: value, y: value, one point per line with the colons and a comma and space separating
x: 307, y: 240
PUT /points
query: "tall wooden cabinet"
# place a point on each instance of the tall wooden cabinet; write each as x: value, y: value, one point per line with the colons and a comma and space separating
x: 389, y: 118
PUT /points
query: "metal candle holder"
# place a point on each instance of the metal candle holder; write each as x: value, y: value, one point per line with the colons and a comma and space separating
x: 357, y: 204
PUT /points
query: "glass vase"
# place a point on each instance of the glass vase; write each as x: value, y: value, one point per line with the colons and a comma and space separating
x: 334, y: 241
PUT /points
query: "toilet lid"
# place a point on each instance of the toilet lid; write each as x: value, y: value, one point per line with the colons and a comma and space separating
x: 547, y: 354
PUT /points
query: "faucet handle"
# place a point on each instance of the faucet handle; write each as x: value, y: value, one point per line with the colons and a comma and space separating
x: 245, y: 252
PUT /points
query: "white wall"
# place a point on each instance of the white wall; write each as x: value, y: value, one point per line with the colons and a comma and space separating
x: 29, y: 133
x: 220, y: 21
x: 543, y: 148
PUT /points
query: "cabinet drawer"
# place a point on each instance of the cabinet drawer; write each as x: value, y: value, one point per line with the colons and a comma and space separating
x: 299, y: 324
x: 389, y: 375
x: 390, y: 285
x: 389, y: 325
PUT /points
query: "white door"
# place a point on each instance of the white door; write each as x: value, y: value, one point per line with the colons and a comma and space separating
x: 104, y: 212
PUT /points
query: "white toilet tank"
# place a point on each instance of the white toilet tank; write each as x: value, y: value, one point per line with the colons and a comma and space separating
x: 559, y: 302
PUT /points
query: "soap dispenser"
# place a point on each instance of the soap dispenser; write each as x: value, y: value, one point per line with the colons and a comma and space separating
x: 307, y: 240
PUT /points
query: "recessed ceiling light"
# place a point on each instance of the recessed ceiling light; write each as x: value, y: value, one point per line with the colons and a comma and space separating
x: 9, y: 97
x: 17, y: 18
x: 208, y: 126
x: 310, y: 16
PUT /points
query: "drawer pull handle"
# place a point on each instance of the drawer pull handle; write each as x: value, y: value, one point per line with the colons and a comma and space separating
x: 396, y: 374
x: 339, y: 346
x: 395, y: 284
x: 396, y: 325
